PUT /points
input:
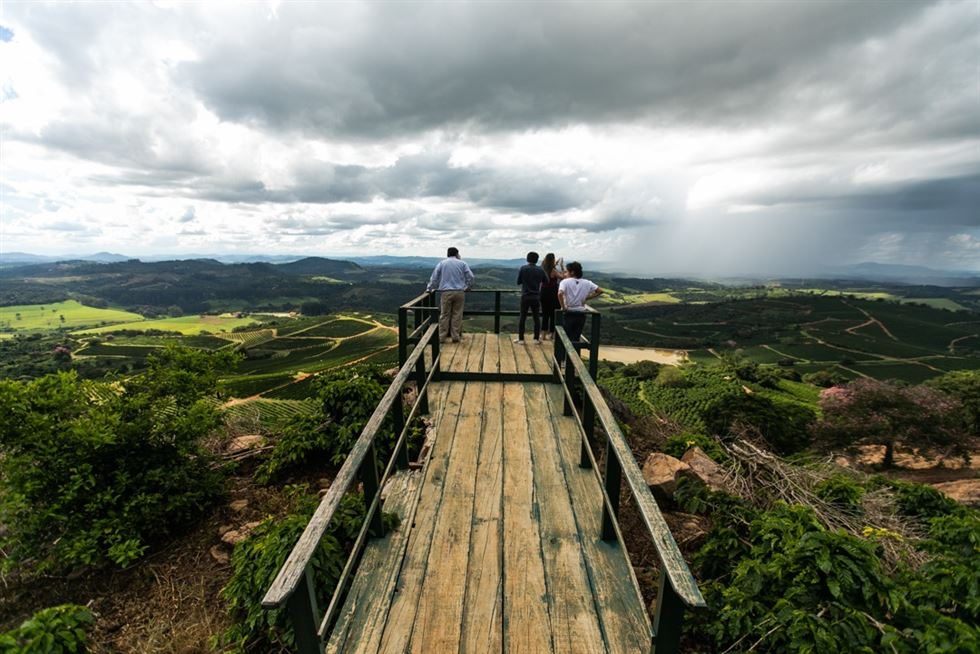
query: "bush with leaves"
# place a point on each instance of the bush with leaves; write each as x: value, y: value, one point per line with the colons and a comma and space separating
x: 257, y: 560
x: 964, y: 385
x: 784, y: 425
x: 346, y: 402
x: 841, y: 491
x: 779, y: 581
x: 84, y: 481
x: 56, y: 630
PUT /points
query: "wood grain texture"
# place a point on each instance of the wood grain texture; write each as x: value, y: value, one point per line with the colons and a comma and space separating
x: 404, y: 606
x: 482, y: 617
x: 527, y: 623
x: 618, y: 605
x: 438, y: 622
x: 491, y: 353
x: 570, y: 601
x: 361, y: 623
x: 506, y: 354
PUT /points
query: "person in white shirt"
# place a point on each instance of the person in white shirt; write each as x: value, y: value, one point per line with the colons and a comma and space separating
x: 452, y: 278
x: 573, y: 293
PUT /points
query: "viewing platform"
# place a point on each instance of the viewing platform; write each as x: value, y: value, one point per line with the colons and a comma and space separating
x: 507, y: 540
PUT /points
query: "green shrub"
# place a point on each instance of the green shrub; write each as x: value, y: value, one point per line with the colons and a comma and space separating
x: 56, y: 630
x: 784, y: 425
x: 917, y: 500
x: 257, y: 560
x: 84, y: 481
x: 346, y: 402
x: 840, y: 490
x: 672, y: 377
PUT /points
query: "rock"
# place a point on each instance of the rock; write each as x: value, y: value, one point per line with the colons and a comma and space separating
x: 224, y: 529
x: 323, y: 482
x: 242, y: 443
x: 964, y: 491
x: 238, y: 505
x: 233, y: 537
x: 704, y: 469
x: 219, y: 554
x: 660, y: 472
x: 689, y: 530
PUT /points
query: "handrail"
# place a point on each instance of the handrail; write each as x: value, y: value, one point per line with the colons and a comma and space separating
x: 290, y: 579
x: 673, y: 566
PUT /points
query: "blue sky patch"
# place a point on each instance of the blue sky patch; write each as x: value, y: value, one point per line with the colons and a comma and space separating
x: 5, y: 34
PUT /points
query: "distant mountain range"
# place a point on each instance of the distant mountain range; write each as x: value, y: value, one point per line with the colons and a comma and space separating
x: 300, y: 265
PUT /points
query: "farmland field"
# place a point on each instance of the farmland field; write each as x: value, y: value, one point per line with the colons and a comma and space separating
x: 339, y: 328
x: 186, y: 325
x: 42, y: 317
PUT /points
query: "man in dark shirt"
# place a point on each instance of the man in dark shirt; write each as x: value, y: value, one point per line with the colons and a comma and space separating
x: 530, y: 277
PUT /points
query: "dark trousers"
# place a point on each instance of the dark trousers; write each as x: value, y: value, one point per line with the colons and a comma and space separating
x: 534, y: 304
x: 574, y: 323
x: 549, y: 304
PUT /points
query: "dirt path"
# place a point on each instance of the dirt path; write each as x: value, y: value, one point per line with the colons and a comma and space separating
x: 872, y: 320
x: 882, y: 357
x: 952, y: 344
x: 783, y: 354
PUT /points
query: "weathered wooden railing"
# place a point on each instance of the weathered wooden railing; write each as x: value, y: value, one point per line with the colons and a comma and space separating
x: 678, y: 589
x: 293, y: 586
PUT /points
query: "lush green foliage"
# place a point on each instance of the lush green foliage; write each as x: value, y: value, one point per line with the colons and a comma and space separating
x: 89, y: 477
x: 347, y: 399
x: 257, y: 560
x: 841, y: 490
x: 56, y: 630
x: 778, y: 581
x: 964, y: 385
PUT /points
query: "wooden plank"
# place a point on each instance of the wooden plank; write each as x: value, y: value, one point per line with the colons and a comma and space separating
x: 507, y: 362
x: 671, y: 560
x: 622, y: 616
x: 491, y: 353
x: 527, y: 624
x: 522, y: 356
x: 482, y: 614
x: 361, y: 622
x: 438, y: 622
x: 401, y: 616
x: 464, y: 348
x: 571, y: 604
x: 474, y: 358
x: 540, y: 357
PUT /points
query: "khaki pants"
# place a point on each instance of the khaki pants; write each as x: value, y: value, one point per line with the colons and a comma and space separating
x: 451, y: 314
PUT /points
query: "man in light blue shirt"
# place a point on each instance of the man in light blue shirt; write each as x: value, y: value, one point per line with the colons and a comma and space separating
x: 452, y: 278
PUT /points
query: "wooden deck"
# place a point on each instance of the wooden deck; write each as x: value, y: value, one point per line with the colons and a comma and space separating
x: 500, y: 544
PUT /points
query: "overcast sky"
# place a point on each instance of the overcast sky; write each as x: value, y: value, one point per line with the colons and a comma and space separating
x: 694, y: 137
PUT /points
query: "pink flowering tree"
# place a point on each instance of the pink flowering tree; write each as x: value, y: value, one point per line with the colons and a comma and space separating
x: 867, y: 411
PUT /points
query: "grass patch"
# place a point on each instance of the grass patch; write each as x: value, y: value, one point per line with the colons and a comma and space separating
x: 186, y: 325
x: 43, y: 317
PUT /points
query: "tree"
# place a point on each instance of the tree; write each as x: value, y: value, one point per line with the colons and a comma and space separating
x: 964, y: 385
x: 867, y: 411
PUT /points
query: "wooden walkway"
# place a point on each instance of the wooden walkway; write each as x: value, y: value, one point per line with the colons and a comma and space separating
x: 500, y: 545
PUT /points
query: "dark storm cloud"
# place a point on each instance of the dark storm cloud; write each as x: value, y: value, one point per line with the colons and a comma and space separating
x: 390, y: 68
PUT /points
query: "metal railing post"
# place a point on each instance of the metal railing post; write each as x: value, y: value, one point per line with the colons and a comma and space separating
x: 302, y: 610
x: 594, y: 346
x: 398, y: 413
x: 496, y: 312
x: 588, y: 425
x: 668, y: 619
x: 614, y: 474
x: 423, y: 390
x: 370, y: 479
x: 435, y: 356
x: 569, y: 383
x: 402, y: 336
